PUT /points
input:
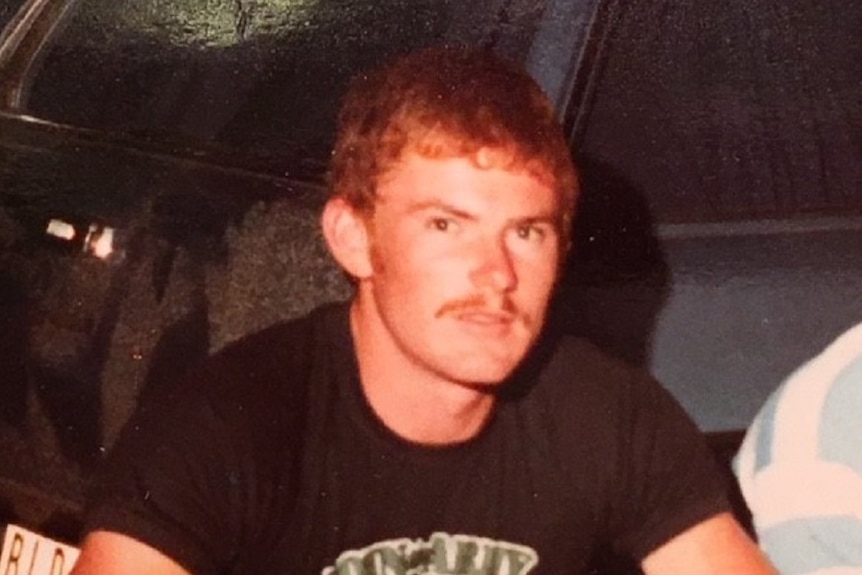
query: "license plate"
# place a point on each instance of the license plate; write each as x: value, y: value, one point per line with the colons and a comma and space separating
x: 28, y: 553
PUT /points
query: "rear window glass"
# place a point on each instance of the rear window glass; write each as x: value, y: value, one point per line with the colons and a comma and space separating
x: 725, y: 110
x: 265, y: 74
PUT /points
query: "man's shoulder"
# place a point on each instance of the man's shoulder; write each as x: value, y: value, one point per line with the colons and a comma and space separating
x: 323, y: 321
x: 285, y: 345
x: 278, y: 360
x: 583, y: 355
x: 566, y: 373
x: 569, y: 359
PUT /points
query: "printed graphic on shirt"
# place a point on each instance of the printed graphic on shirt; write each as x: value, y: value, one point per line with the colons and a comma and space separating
x: 441, y: 554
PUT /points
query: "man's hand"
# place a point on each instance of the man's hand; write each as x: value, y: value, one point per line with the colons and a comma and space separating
x: 716, y: 546
x: 106, y: 553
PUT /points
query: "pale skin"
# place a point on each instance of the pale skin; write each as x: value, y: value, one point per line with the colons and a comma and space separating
x: 454, y: 272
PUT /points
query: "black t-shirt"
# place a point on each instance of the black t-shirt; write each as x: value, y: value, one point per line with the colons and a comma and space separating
x: 269, y: 460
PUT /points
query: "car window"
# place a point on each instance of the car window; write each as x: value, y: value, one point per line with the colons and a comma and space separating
x: 265, y: 74
x: 730, y: 111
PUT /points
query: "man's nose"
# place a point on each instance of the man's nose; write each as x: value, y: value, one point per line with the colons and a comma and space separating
x: 494, y: 267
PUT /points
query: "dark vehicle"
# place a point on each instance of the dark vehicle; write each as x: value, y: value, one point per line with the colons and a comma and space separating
x: 162, y: 164
x: 161, y: 170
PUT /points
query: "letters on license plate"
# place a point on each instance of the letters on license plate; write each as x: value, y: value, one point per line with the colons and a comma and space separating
x: 28, y: 553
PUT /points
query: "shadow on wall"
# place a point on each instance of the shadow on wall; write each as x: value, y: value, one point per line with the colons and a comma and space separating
x: 615, y: 282
x: 616, y: 278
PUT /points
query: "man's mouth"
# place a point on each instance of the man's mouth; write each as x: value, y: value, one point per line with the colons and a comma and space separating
x: 486, y: 317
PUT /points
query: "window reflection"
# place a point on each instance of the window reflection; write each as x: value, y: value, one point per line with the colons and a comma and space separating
x: 98, y: 240
x: 266, y: 75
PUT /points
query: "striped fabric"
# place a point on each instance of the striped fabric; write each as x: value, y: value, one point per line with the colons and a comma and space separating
x: 800, y: 465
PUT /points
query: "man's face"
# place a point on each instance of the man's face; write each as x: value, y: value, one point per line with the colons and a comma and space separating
x: 464, y: 260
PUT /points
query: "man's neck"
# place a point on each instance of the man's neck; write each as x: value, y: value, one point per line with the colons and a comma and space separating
x: 414, y: 403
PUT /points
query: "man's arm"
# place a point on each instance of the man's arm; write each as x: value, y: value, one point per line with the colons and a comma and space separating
x: 715, y: 546
x: 107, y: 553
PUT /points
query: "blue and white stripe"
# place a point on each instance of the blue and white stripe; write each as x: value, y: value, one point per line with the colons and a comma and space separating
x: 800, y: 465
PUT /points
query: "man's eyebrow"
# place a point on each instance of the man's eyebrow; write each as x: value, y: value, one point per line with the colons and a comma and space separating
x: 442, y: 206
x: 549, y: 217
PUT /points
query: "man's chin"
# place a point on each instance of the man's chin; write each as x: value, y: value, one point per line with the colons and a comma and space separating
x: 487, y: 377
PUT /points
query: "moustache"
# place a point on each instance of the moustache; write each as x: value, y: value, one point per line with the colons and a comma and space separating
x: 478, y: 303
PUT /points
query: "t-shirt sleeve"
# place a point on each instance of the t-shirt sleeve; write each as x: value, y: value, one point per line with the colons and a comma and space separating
x: 207, y: 467
x: 174, y: 481
x: 800, y: 465
x: 668, y: 478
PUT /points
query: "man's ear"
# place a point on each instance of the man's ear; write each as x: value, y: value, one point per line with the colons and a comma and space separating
x: 347, y: 236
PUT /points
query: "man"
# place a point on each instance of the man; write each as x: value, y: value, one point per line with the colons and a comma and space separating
x: 800, y: 465
x: 429, y: 426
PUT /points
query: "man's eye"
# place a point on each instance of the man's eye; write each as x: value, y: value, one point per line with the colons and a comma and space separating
x: 441, y: 224
x: 530, y: 232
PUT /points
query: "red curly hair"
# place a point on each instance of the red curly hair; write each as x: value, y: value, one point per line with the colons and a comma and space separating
x: 448, y: 102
